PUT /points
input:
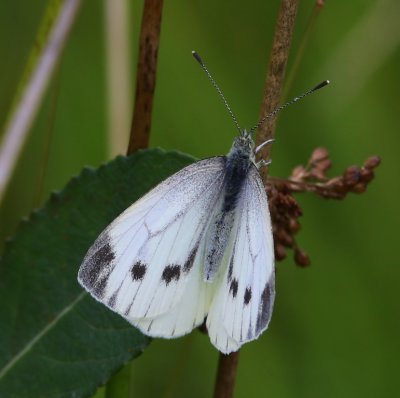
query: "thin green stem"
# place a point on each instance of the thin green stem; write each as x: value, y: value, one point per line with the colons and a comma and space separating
x: 34, y: 86
x: 49, y: 137
x: 303, y: 45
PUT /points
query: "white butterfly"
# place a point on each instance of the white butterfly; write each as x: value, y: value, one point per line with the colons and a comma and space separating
x: 198, y: 247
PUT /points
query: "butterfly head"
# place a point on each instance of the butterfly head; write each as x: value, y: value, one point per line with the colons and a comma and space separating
x: 243, y: 145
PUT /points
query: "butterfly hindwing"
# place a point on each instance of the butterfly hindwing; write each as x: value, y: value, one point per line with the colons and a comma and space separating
x: 148, y: 259
x: 189, y: 312
x: 242, y: 307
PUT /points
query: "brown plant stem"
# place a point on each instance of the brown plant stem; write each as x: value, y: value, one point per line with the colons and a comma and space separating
x: 276, y: 74
x: 226, y: 375
x: 227, y: 366
x: 146, y: 75
x: 140, y: 127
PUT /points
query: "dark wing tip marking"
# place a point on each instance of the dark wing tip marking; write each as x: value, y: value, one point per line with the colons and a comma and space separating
x: 138, y: 271
x: 247, y: 296
x: 171, y: 272
x: 97, y: 265
x: 233, y: 288
x: 99, y: 287
x: 266, y: 305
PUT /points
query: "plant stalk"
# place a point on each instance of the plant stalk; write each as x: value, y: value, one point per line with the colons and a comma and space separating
x: 227, y: 366
x: 226, y: 375
x: 276, y: 74
x: 146, y: 75
x: 120, y: 383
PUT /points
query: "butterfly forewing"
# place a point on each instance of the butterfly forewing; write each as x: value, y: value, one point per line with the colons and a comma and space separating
x: 142, y: 263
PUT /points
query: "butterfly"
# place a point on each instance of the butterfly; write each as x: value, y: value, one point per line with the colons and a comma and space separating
x: 197, y: 248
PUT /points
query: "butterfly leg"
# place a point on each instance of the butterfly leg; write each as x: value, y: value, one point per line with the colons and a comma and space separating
x: 263, y: 163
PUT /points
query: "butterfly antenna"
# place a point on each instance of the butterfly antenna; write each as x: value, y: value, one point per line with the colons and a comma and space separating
x: 204, y: 67
x: 274, y: 112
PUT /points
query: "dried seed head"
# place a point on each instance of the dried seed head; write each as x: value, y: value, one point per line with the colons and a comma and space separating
x: 280, y: 252
x: 317, y: 174
x: 285, y: 238
x: 367, y: 175
x: 359, y: 188
x: 301, y: 258
x: 319, y: 154
x: 285, y: 210
x: 372, y: 162
x: 325, y: 164
x: 294, y: 225
x: 299, y: 173
x: 351, y: 176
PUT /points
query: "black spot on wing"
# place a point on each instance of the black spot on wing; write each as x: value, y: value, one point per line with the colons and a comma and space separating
x: 98, y: 265
x: 266, y: 305
x: 190, y: 261
x: 233, y: 288
x: 219, y: 232
x: 247, y: 296
x: 138, y: 271
x: 113, y: 298
x: 111, y: 301
x: 250, y: 334
x: 128, y: 309
x: 171, y: 272
x: 230, y: 269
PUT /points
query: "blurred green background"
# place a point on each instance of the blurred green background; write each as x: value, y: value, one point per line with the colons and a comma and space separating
x: 335, y: 329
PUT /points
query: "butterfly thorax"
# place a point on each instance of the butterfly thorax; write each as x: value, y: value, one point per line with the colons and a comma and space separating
x: 237, y: 165
x: 238, y: 162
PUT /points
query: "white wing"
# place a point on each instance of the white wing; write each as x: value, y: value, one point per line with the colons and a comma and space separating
x: 146, y: 265
x: 242, y: 307
x: 191, y: 310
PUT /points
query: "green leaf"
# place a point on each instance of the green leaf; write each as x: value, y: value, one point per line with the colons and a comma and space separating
x: 55, y: 340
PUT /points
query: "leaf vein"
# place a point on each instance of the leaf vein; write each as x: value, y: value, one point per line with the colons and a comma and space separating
x: 39, y: 335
